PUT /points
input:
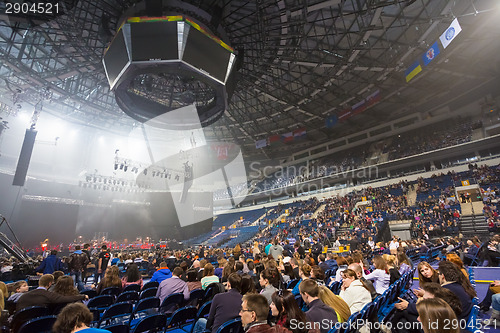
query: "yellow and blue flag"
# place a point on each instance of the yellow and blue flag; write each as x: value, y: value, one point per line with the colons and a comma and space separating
x: 413, y: 70
x: 430, y: 54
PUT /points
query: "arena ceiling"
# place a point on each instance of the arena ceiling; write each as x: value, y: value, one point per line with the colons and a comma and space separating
x: 303, y: 61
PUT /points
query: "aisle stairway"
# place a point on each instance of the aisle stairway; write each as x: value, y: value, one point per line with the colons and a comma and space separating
x: 411, y: 196
x: 320, y: 209
x: 474, y: 226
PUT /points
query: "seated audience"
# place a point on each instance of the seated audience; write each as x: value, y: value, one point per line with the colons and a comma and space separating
x: 111, y: 279
x: 20, y: 287
x: 354, y: 292
x: 75, y: 317
x: 208, y: 276
x: 132, y: 276
x: 192, y: 281
x: 380, y: 276
x: 452, y: 278
x: 225, y: 306
x: 285, y: 309
x: 173, y: 285
x: 437, y: 316
x: 254, y: 312
x: 318, y: 311
x: 268, y: 279
x: 335, y: 302
x: 162, y: 273
x: 42, y: 297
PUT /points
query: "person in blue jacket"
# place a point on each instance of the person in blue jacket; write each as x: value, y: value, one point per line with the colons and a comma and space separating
x: 162, y: 273
x: 50, y: 264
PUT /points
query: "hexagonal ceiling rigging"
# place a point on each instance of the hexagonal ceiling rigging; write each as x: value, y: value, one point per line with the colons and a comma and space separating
x: 303, y: 61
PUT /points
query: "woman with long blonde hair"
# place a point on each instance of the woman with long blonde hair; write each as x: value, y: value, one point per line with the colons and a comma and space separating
x: 335, y: 302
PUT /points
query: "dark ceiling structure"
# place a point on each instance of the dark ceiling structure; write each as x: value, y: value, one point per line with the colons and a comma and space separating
x: 301, y: 62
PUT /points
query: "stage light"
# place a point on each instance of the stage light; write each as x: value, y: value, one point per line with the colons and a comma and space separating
x: 116, y: 166
x: 125, y: 168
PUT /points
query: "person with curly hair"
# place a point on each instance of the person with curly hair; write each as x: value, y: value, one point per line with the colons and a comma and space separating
x: 75, y: 317
x: 111, y: 279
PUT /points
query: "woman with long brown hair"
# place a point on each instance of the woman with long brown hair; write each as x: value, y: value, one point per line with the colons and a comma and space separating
x: 132, y: 276
x: 425, y: 274
x: 437, y: 316
x: 65, y: 286
x: 285, y: 309
x: 380, y: 276
x: 111, y: 279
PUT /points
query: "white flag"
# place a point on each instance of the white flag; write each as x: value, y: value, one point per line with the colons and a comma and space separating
x: 450, y: 33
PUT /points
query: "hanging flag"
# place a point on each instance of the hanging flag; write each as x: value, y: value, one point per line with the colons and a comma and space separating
x: 450, y: 33
x: 413, y: 70
x: 373, y: 98
x: 273, y: 139
x: 430, y: 54
x: 287, y: 137
x: 298, y: 133
x: 261, y: 143
x: 358, y: 107
x: 331, y: 121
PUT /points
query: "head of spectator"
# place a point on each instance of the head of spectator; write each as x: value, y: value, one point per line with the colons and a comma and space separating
x: 305, y: 271
x: 72, y: 318
x: 247, y: 284
x: 238, y: 266
x: 341, y: 261
x: 449, y: 272
x: 65, y: 286
x: 309, y: 290
x: 380, y: 263
x: 177, y: 271
x: 46, y: 281
x: 294, y: 262
x: 321, y: 258
x: 57, y: 275
x: 454, y: 258
x: 184, y: 266
x: 426, y: 273
x: 196, y: 264
x: 437, y: 316
x: 357, y: 269
x: 132, y: 274
x: 288, y: 270
x: 317, y: 273
x: 403, y: 259
x: 228, y: 270
x: 269, y: 276
x: 254, y: 309
x: 285, y: 309
x: 208, y: 270
x: 234, y: 281
x: 435, y: 290
x: 191, y: 275
x: 20, y: 286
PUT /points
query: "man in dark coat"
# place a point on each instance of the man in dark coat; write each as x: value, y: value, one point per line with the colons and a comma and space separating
x: 78, y: 261
x: 50, y: 264
x: 319, y: 313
